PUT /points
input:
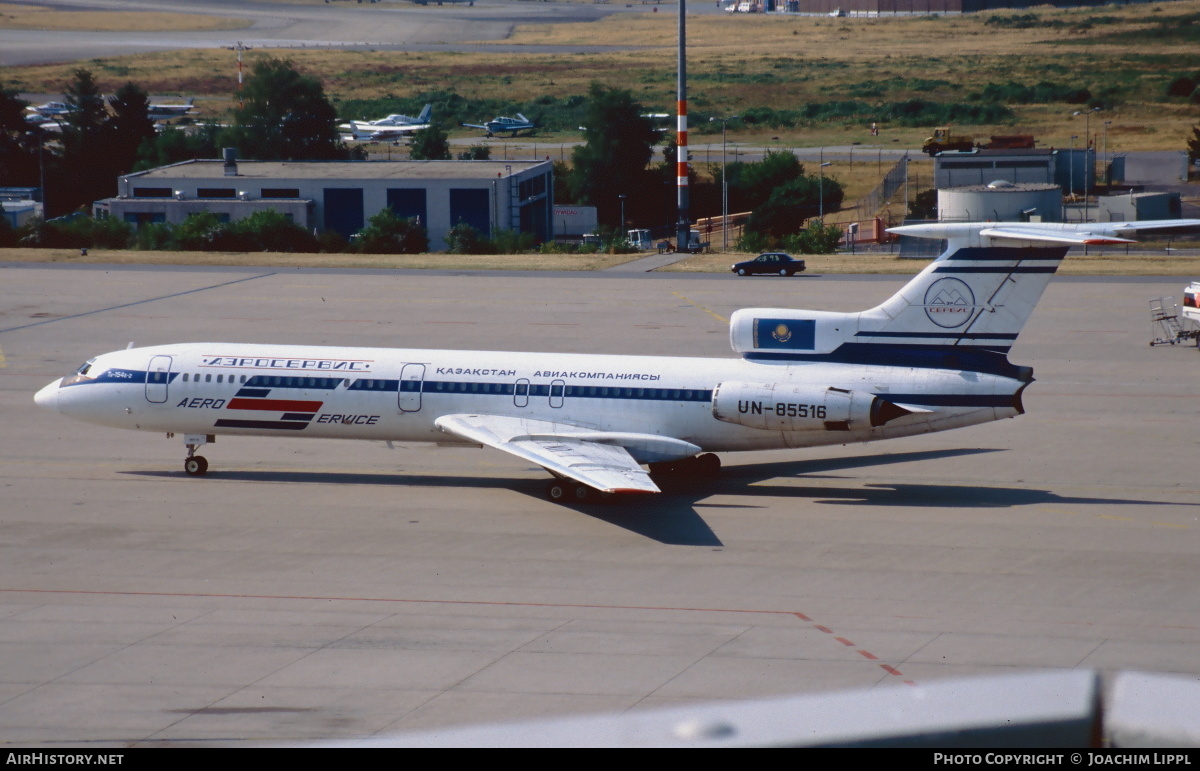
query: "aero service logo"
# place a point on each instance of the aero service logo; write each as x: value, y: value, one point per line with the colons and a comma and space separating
x: 949, y: 303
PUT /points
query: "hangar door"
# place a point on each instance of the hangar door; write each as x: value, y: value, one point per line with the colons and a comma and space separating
x: 470, y: 205
x: 408, y: 203
x: 344, y: 210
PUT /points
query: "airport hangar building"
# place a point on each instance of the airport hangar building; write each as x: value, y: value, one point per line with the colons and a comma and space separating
x: 342, y: 195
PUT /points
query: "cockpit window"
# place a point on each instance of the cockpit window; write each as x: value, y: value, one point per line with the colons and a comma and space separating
x: 84, y: 373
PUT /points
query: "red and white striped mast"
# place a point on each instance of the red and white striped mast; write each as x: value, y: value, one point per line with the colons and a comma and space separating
x: 684, y: 225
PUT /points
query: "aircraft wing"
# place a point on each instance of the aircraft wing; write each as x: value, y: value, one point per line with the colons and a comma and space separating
x: 369, y: 131
x: 1060, y: 237
x: 587, y: 456
x: 475, y: 125
x: 1075, y: 233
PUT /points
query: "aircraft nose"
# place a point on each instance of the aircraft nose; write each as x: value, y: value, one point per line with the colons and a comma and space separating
x: 48, y: 396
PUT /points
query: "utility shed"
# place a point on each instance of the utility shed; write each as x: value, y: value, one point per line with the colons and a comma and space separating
x: 979, y: 167
x: 1139, y: 206
x: 342, y: 195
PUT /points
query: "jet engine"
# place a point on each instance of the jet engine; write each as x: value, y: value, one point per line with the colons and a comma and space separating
x: 784, y: 407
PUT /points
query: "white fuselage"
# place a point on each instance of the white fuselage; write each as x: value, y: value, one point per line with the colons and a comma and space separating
x: 397, y: 394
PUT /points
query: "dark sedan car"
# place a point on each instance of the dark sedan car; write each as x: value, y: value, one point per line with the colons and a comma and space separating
x: 777, y: 263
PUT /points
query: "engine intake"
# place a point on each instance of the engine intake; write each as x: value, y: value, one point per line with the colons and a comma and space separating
x: 784, y: 407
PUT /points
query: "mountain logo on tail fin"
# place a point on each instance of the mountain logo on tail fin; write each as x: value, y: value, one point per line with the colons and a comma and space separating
x: 949, y: 302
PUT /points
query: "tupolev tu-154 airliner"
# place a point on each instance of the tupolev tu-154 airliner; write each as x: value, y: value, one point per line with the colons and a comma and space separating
x: 932, y: 357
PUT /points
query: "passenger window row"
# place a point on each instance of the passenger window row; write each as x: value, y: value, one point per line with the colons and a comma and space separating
x: 208, y: 378
x: 443, y: 386
x: 585, y: 392
x: 283, y: 381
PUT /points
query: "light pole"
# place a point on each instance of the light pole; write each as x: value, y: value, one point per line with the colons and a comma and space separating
x: 724, y: 186
x: 821, y: 193
x: 622, y: 197
x: 1107, y: 123
x: 1087, y: 144
x: 1072, y: 166
x: 42, y: 171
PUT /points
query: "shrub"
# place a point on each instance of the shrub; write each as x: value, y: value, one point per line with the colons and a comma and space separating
x: 111, y: 233
x: 1181, y: 86
x: 387, y: 233
x: 8, y: 234
x: 266, y: 230
x: 154, y: 237
x: 512, y: 242
x: 476, y: 153
x: 816, y: 238
x: 465, y: 239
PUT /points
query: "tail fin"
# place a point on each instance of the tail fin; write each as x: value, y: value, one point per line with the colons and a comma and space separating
x: 964, y: 310
x: 426, y: 113
x: 979, y: 296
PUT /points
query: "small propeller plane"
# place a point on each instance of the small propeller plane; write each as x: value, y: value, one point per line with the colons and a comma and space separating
x: 504, y: 123
x: 391, y: 127
x: 932, y: 357
x: 50, y: 109
x: 163, y: 111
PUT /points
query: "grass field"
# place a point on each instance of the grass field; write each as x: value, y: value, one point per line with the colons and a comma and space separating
x: 39, y: 17
x: 1124, y: 55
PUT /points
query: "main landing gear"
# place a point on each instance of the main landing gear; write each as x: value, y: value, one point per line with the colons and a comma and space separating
x: 569, y: 491
x: 699, y: 468
x: 674, y: 473
x: 196, y: 465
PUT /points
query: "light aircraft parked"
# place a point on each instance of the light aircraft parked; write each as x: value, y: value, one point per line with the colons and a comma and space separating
x: 391, y: 127
x: 932, y: 357
x: 49, y: 109
x: 168, y: 111
x: 504, y: 123
x: 47, y: 124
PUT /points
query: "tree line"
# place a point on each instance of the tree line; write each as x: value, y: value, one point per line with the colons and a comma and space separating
x: 282, y: 115
x: 285, y: 115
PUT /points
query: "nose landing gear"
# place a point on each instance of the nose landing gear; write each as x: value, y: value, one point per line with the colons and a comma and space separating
x: 196, y: 465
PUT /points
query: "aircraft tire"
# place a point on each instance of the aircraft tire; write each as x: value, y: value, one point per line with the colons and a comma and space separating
x: 196, y: 466
x: 557, y: 492
x: 582, y: 494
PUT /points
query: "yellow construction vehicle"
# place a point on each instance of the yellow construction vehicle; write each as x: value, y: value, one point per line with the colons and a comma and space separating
x: 942, y: 139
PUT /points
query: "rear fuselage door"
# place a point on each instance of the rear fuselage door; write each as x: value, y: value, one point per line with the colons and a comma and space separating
x: 158, y: 376
x: 412, y: 378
